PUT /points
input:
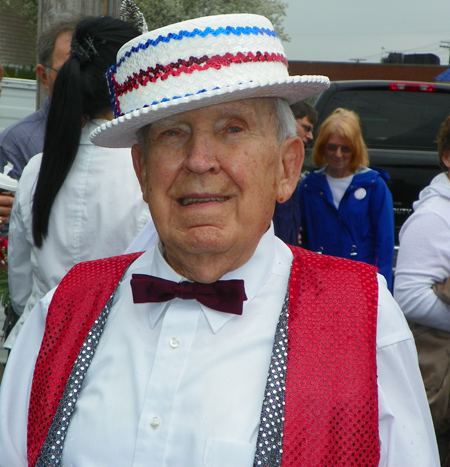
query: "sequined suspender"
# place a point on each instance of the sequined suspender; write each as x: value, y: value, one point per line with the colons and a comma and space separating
x: 72, y: 327
x: 331, y: 382
x: 321, y: 400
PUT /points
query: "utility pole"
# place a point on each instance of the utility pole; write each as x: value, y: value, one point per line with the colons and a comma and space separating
x: 446, y: 47
x: 49, y: 9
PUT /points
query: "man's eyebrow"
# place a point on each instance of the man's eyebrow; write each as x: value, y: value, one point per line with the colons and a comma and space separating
x: 237, y: 108
x: 167, y: 121
x: 231, y: 110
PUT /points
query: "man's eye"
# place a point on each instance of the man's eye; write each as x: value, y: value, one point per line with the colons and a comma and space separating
x: 171, y: 133
x: 234, y: 129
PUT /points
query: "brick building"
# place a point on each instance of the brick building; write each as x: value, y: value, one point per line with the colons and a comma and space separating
x: 341, y: 71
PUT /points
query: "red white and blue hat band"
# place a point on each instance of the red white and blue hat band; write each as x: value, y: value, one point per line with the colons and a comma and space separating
x: 193, y: 64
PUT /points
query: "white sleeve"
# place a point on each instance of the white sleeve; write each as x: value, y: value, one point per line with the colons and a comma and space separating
x: 16, y: 387
x: 423, y: 259
x: 406, y: 429
x: 20, y: 275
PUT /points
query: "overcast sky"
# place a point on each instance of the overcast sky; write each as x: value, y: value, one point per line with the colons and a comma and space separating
x: 330, y: 30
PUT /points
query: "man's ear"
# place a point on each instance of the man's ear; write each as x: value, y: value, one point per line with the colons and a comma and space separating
x: 293, y: 155
x: 41, y: 72
x: 140, y: 167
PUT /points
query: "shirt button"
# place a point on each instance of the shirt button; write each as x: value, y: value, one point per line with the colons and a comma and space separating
x: 174, y: 342
x: 155, y: 422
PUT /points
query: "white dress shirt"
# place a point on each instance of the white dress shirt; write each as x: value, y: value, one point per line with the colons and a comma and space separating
x: 177, y: 384
x: 97, y: 213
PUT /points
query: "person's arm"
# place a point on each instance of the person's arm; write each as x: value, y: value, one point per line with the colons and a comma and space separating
x: 406, y: 429
x: 20, y: 275
x: 6, y: 203
x: 382, y: 218
x: 442, y: 290
x: 13, y: 143
x: 423, y: 260
x: 16, y: 386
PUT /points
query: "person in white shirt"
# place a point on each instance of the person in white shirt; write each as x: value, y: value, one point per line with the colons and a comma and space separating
x: 75, y: 201
x: 193, y: 353
x: 422, y: 288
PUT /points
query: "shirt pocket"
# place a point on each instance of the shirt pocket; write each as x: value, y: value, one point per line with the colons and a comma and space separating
x: 220, y: 453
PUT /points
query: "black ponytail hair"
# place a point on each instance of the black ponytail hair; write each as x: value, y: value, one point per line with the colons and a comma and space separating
x: 80, y: 93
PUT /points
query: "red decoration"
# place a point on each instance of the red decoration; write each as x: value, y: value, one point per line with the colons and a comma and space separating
x: 200, y: 64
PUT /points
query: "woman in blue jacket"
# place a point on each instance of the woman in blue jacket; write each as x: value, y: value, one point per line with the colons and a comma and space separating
x: 346, y: 207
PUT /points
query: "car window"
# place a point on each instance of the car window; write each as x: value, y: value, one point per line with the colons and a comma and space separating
x: 395, y: 119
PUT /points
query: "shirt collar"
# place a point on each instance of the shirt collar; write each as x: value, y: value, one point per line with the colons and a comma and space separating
x: 90, y: 126
x: 255, y: 274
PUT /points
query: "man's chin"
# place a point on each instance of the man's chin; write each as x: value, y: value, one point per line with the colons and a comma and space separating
x: 207, y: 239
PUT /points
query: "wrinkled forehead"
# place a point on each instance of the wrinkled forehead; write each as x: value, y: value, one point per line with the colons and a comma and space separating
x: 255, y: 111
x: 258, y: 108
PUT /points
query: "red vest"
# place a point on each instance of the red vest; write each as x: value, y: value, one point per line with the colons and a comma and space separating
x: 331, y: 398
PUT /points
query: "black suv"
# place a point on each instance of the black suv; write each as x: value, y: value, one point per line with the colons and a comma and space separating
x: 400, y: 123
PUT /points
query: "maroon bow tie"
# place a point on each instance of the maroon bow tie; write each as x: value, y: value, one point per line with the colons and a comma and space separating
x: 226, y: 296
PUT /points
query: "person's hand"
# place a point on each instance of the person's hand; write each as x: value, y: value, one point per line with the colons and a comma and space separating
x: 5, y: 209
x: 299, y: 236
x: 442, y: 290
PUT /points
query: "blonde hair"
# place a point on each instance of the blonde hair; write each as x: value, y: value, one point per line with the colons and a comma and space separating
x: 347, y: 125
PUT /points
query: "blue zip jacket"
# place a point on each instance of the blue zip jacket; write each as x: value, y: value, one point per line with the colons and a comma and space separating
x: 361, y: 229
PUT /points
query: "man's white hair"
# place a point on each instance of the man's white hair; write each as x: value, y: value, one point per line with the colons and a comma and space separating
x: 286, y: 125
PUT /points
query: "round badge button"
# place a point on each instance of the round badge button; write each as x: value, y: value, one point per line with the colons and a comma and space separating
x: 360, y: 193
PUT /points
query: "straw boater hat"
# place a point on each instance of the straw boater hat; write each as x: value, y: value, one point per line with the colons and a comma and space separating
x: 193, y: 64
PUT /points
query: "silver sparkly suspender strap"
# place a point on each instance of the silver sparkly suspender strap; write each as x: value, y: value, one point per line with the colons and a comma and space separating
x: 52, y: 449
x: 269, y: 446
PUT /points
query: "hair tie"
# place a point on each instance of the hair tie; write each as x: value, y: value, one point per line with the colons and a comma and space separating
x: 86, y: 53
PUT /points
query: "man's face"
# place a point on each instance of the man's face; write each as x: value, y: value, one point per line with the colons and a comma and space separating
x: 48, y: 74
x: 304, y: 129
x: 211, y: 178
x: 59, y: 57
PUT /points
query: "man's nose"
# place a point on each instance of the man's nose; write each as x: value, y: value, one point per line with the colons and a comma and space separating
x: 202, y: 155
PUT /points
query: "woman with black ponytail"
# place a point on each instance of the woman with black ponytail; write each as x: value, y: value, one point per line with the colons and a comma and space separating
x: 76, y: 201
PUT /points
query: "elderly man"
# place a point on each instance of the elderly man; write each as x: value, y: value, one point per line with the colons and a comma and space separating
x: 220, y: 346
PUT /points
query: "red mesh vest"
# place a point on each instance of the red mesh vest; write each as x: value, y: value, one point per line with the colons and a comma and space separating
x: 331, y: 411
x: 331, y: 406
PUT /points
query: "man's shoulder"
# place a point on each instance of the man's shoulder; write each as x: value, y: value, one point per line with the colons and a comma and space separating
x: 34, y: 120
x: 90, y: 282
x: 311, y: 259
x: 22, y: 140
x: 316, y: 179
x: 105, y: 264
x: 315, y: 174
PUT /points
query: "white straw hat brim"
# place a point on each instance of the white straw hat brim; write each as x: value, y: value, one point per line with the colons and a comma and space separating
x: 121, y: 132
